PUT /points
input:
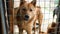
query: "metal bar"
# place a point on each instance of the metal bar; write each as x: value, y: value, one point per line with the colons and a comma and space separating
x: 8, y: 13
x: 3, y: 17
x: 7, y: 22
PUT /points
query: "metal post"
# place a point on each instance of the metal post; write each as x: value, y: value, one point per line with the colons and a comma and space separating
x: 3, y: 18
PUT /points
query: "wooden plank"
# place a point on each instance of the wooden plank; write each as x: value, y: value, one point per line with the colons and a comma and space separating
x: 10, y: 3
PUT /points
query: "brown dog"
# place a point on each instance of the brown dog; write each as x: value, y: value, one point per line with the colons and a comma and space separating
x: 27, y: 15
x: 51, y: 29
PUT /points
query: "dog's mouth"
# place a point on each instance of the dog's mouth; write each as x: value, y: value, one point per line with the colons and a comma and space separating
x: 26, y: 19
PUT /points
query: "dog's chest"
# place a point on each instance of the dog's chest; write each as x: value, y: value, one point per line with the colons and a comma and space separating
x: 26, y: 24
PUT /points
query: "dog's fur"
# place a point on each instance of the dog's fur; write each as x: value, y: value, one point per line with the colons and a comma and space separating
x: 51, y: 29
x: 30, y: 10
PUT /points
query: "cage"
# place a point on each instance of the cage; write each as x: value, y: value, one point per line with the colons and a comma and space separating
x: 50, y: 21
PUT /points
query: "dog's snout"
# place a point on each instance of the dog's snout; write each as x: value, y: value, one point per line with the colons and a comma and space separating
x: 26, y: 16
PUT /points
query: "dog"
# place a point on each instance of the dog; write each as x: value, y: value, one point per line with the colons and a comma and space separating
x: 26, y: 16
x: 57, y: 13
x: 51, y: 28
x: 55, y: 26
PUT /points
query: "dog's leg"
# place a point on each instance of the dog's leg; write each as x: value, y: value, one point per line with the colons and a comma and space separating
x: 20, y: 31
x: 29, y: 30
x: 34, y: 26
x: 40, y: 18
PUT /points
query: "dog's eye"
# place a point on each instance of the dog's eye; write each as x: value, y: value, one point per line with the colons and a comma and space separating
x: 31, y: 10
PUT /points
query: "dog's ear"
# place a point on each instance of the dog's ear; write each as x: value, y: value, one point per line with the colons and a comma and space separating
x: 34, y: 2
x: 22, y: 2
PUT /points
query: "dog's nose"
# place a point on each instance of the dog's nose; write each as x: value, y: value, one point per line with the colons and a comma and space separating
x: 26, y: 17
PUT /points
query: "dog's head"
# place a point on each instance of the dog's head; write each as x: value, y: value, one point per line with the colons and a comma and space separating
x: 26, y: 10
